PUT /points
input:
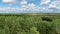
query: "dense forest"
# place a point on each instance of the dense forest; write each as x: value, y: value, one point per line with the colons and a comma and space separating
x: 29, y: 24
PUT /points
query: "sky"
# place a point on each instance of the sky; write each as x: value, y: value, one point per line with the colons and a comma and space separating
x: 29, y: 6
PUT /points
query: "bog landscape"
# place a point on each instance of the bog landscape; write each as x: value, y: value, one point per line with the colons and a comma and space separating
x: 29, y: 16
x: 30, y: 24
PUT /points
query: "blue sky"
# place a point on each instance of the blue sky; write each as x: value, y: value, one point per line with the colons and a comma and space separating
x: 29, y: 6
x: 36, y: 2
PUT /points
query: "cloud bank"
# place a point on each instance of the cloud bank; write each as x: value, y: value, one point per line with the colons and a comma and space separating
x: 53, y: 7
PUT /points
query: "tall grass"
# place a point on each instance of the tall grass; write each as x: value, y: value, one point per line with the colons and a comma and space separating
x: 28, y: 24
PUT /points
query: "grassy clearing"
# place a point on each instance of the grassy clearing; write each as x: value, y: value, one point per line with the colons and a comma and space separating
x: 29, y: 24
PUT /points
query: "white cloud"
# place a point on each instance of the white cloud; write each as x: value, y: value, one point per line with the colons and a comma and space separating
x: 28, y: 7
x: 44, y: 2
x: 20, y: 10
x: 25, y: 6
x: 31, y: 5
x: 8, y: 1
x: 23, y: 2
x: 55, y: 4
x: 31, y: 8
x: 52, y: 6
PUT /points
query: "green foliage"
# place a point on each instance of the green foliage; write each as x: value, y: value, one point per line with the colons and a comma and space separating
x: 28, y: 24
x: 33, y: 30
